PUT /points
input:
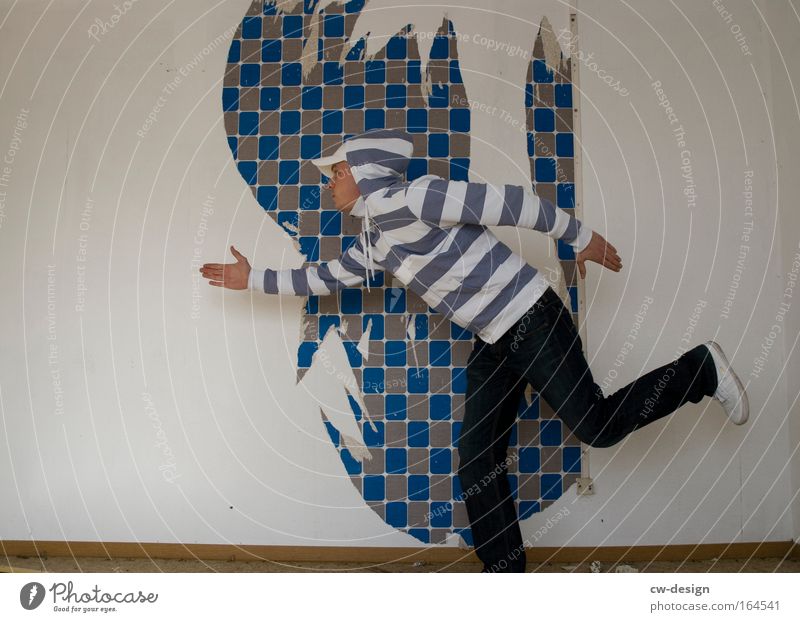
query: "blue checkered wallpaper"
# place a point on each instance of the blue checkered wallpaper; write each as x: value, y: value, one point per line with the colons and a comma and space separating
x: 276, y: 119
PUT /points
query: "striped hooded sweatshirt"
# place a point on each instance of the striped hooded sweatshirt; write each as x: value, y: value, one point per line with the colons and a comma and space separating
x: 432, y: 235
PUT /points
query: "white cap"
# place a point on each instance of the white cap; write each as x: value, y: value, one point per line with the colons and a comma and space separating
x: 326, y: 164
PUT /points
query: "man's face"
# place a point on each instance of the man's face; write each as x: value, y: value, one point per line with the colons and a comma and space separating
x: 343, y: 187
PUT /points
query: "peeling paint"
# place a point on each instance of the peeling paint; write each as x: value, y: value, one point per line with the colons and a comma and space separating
x: 363, y: 343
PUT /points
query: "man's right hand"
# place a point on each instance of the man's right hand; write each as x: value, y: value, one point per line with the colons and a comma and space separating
x: 599, y: 251
x: 230, y: 275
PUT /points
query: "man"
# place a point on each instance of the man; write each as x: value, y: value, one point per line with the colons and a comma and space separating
x: 432, y: 234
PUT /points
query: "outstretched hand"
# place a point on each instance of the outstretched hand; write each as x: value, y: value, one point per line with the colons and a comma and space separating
x: 230, y: 275
x: 599, y: 251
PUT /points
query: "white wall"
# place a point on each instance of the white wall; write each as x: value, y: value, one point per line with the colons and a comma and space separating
x: 247, y: 458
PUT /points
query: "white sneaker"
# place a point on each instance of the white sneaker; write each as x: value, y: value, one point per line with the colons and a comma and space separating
x: 730, y: 390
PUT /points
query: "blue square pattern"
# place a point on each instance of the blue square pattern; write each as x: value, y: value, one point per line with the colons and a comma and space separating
x: 550, y: 432
x: 544, y: 169
x: 395, y: 353
x: 372, y: 380
x: 289, y: 220
x: 248, y: 170
x: 267, y: 197
x: 373, y: 438
x: 292, y: 26
x: 396, y: 460
x: 417, y: 379
x: 351, y: 300
x: 374, y: 119
x: 529, y: 460
x: 550, y: 485
x: 334, y: 25
x: 271, y: 51
x: 330, y: 222
x: 230, y: 99
x: 529, y: 411
x: 311, y: 97
x: 564, y: 145
x: 235, y: 51
x: 309, y: 198
x: 325, y: 322
x: 351, y: 465
x: 377, y: 324
x: 397, y: 514
x: 541, y: 73
x: 395, y: 95
x: 565, y: 195
x: 309, y: 246
x: 423, y: 535
x: 291, y: 74
x: 440, y: 462
x: 354, y: 97
x: 395, y: 300
x: 396, y: 48
x: 268, y: 147
x: 353, y: 354
x: 270, y: 98
x: 544, y: 120
x: 290, y: 121
x: 417, y: 120
x: 289, y: 172
x: 418, y: 487
x: 250, y: 74
x: 395, y: 407
x: 438, y: 145
x: 571, y: 460
x: 418, y: 434
x: 439, y: 407
x: 374, y: 488
x: 439, y: 353
x: 441, y: 514
x: 248, y: 123
x: 563, y: 95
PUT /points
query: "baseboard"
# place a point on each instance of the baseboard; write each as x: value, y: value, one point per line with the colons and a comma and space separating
x: 614, y: 554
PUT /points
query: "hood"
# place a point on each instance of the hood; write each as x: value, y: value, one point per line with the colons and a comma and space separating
x: 378, y: 159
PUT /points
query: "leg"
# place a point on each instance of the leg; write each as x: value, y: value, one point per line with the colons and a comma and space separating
x: 548, y: 352
x: 490, y: 409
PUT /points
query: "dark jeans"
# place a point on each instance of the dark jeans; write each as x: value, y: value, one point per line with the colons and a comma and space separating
x: 543, y: 349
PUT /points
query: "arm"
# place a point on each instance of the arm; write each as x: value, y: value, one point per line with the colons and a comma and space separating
x: 444, y: 202
x: 348, y: 270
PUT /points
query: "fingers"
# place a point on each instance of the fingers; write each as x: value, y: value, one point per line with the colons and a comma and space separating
x: 216, y: 283
x: 582, y: 269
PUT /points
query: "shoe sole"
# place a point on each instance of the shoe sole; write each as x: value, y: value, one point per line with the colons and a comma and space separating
x: 745, y: 402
